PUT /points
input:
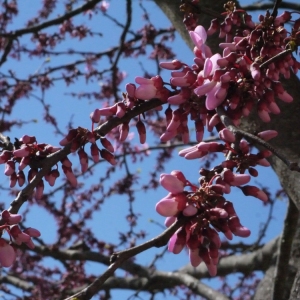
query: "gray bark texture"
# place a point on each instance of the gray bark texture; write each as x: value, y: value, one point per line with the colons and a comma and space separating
x: 287, y: 123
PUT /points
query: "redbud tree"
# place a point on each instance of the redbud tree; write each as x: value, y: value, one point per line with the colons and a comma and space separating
x: 230, y: 105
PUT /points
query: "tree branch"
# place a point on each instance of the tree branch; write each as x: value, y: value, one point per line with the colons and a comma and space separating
x: 286, y: 240
x: 33, y: 29
x: 118, y: 258
x: 293, y: 166
x: 244, y: 263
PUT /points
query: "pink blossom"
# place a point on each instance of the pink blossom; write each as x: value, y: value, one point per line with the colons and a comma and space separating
x: 95, y: 116
x: 7, y: 254
x: 130, y: 88
x: 141, y: 128
x: 199, y: 37
x: 177, y: 241
x: 10, y: 219
x: 171, y: 65
x: 51, y: 177
x: 124, y: 130
x: 24, y: 163
x: 235, y: 179
x: 104, y: 5
x: 169, y: 221
x: 190, y: 210
x: 146, y: 90
x: 70, y: 175
x: 21, y: 178
x: 171, y: 183
x: 105, y: 154
x: 32, y: 232
x: 83, y: 158
x: 5, y: 156
x: 237, y: 228
x: 171, y: 204
x: 39, y: 190
x: 226, y: 135
x: 195, y: 259
x: 66, y: 162
x: 267, y: 134
x: 254, y: 191
x: 24, y: 151
x: 95, y: 152
x: 19, y: 236
x: 107, y: 144
x: 70, y: 136
x: 180, y: 98
x: 183, y: 79
x: 13, y: 180
x: 26, y: 139
x: 9, y: 168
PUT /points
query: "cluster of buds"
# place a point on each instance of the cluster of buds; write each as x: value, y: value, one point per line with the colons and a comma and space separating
x: 28, y: 153
x: 78, y: 139
x: 147, y: 89
x: 245, y: 76
x: 240, y: 157
x: 17, y: 236
x: 207, y: 212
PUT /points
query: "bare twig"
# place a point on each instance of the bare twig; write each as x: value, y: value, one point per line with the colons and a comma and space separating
x: 118, y: 258
x: 275, y: 8
x: 33, y: 29
x: 121, y: 46
x: 275, y: 58
x: 264, y: 6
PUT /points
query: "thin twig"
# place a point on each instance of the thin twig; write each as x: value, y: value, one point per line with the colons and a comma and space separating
x: 54, y: 158
x: 255, y: 139
x: 275, y: 8
x: 33, y: 29
x: 118, y: 258
x: 275, y: 58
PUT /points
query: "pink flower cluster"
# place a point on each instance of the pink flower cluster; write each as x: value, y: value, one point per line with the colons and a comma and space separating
x: 149, y: 88
x: 26, y: 151
x: 241, y: 157
x: 240, y: 79
x: 78, y: 138
x: 207, y: 212
x: 17, y: 236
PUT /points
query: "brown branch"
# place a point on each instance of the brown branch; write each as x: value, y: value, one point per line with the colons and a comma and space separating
x: 33, y: 29
x: 260, y: 259
x: 7, y: 49
x: 275, y: 58
x: 121, y: 46
x: 17, y: 282
x: 118, y: 258
x: 275, y: 8
x: 160, y: 281
x: 54, y: 158
x: 255, y: 139
x: 286, y: 240
x: 264, y: 6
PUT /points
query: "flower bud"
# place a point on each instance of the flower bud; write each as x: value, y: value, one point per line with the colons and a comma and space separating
x: 95, y: 153
x: 141, y: 131
x: 107, y: 144
x: 26, y: 139
x: 105, y: 154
